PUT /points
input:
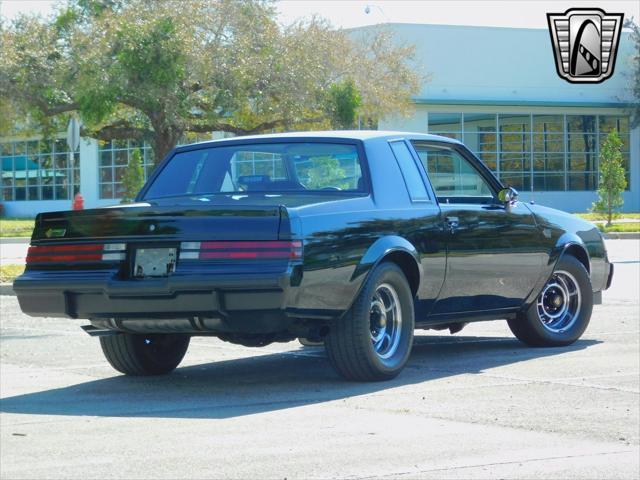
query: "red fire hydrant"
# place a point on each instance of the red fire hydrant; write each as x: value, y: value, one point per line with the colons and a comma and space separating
x: 78, y: 202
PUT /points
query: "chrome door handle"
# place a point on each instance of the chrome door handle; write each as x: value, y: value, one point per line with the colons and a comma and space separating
x: 452, y: 223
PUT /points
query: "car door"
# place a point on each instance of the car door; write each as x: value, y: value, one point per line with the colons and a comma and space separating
x: 494, y: 251
x: 422, y: 226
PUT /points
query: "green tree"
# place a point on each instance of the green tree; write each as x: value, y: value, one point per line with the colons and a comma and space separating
x: 158, y: 71
x: 325, y: 172
x: 612, y: 177
x: 344, y: 100
x: 133, y: 178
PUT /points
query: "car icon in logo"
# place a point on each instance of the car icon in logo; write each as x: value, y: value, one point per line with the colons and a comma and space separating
x: 585, y: 43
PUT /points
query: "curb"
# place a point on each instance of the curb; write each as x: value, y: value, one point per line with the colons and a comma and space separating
x: 6, y: 289
x: 622, y: 236
x: 15, y: 240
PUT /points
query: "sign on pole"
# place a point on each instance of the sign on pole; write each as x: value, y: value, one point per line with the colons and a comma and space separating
x: 73, y: 134
x: 73, y: 141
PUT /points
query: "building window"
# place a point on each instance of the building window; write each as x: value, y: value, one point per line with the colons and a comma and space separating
x: 548, y: 153
x: 582, y: 152
x: 537, y: 152
x: 446, y: 124
x: 114, y: 157
x: 39, y: 170
x: 514, y: 155
x: 480, y: 137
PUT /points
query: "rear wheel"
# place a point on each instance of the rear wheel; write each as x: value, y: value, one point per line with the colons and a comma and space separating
x: 374, y: 339
x: 562, y: 311
x: 144, y: 354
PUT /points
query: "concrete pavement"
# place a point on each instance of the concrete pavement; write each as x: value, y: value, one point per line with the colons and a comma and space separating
x: 477, y: 404
x: 13, y: 250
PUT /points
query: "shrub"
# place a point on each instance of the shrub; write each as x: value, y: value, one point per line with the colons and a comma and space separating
x: 133, y: 178
x: 612, y: 177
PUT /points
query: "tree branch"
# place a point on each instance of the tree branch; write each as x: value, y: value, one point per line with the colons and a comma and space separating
x: 58, y: 109
x: 216, y: 127
x: 133, y: 102
x: 121, y: 130
x: 46, y: 109
x: 260, y: 128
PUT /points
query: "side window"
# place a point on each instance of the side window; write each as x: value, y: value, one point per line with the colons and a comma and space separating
x: 450, y: 173
x: 413, y: 179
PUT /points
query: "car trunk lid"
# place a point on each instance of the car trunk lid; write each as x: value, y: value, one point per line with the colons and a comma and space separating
x: 163, y: 223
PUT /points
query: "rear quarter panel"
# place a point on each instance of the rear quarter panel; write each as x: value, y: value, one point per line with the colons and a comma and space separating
x: 338, y: 234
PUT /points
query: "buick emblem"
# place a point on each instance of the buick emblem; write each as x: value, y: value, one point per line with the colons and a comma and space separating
x: 585, y: 43
x: 152, y: 227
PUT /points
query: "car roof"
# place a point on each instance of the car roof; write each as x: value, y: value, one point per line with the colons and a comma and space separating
x: 363, y: 135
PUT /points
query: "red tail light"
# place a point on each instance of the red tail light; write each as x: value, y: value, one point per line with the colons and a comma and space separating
x: 43, y: 254
x: 242, y: 250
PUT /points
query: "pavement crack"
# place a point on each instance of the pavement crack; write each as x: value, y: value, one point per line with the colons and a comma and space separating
x: 493, y: 464
x: 567, y: 384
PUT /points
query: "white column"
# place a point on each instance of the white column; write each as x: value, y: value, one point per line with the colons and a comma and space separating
x: 89, y: 172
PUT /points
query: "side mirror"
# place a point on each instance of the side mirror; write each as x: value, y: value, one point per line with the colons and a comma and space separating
x: 508, y: 196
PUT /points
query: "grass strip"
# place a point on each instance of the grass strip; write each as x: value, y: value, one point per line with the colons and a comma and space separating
x: 8, y: 273
x: 16, y: 227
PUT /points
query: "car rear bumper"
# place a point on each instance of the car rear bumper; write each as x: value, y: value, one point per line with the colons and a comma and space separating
x: 105, y: 297
x: 597, y: 296
x: 609, y: 275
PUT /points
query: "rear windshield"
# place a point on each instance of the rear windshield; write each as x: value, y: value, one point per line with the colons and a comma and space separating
x: 268, y: 168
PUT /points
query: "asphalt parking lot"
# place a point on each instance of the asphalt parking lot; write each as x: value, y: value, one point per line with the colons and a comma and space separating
x: 477, y: 404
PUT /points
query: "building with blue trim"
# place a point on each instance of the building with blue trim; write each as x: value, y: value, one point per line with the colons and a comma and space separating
x: 496, y: 89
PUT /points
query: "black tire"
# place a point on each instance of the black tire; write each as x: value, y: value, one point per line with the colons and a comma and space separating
x: 350, y: 343
x: 156, y: 354
x: 535, y: 329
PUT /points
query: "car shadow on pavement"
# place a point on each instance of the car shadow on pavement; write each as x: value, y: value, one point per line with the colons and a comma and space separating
x: 265, y: 383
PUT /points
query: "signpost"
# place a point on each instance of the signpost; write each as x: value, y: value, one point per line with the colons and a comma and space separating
x: 73, y: 142
x: 73, y: 134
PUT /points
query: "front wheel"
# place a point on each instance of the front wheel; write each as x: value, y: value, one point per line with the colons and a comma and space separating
x: 144, y: 354
x: 373, y: 340
x: 562, y: 311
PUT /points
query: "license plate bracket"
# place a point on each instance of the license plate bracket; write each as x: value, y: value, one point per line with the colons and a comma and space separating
x: 154, y: 262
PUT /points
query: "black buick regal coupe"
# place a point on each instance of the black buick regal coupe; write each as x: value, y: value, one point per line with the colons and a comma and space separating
x: 352, y: 239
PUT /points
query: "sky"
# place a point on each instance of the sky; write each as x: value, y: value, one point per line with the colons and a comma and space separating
x: 356, y: 13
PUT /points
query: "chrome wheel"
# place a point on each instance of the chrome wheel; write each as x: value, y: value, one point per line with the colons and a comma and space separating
x: 374, y: 340
x: 559, y: 303
x: 385, y: 319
